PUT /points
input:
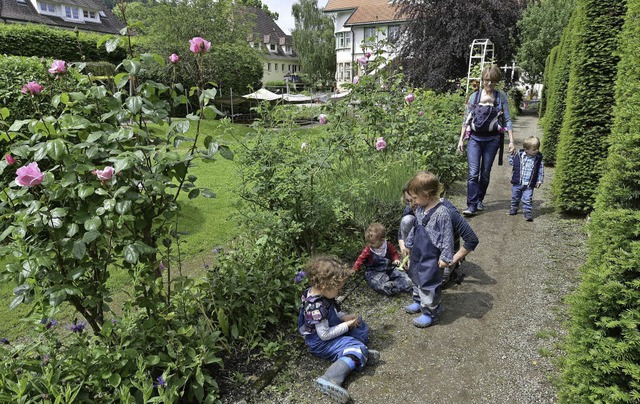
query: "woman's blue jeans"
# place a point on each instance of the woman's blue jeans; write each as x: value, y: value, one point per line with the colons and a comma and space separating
x: 480, y: 156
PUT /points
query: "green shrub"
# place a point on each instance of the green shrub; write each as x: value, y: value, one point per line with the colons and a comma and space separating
x: 548, y: 68
x: 42, y: 41
x: 603, y: 345
x: 556, y: 93
x: 100, y: 69
x: 590, y: 98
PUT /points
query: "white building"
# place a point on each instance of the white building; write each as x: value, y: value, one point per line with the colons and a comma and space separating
x: 359, y: 25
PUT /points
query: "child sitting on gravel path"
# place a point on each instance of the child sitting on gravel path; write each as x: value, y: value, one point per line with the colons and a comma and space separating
x: 330, y: 333
x: 381, y: 260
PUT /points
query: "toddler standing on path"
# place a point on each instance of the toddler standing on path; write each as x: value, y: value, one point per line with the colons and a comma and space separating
x: 528, y: 172
x: 330, y: 333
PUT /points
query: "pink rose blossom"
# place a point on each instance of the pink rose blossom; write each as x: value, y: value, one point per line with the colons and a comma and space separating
x: 410, y: 98
x: 199, y: 45
x: 322, y: 118
x: 368, y: 55
x: 104, y: 175
x: 174, y: 58
x: 9, y: 159
x: 29, y: 176
x: 381, y: 144
x: 356, y: 79
x: 32, y: 88
x: 58, y: 67
x: 363, y: 60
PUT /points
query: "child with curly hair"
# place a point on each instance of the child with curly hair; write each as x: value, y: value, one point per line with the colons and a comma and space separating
x: 329, y: 333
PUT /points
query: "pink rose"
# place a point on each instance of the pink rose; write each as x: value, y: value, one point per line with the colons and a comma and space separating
x: 9, y: 159
x: 409, y: 98
x: 58, y: 67
x: 104, y: 175
x: 381, y: 144
x: 32, y: 88
x: 356, y: 79
x: 363, y: 60
x: 199, y: 45
x: 368, y: 55
x: 29, y: 176
x: 174, y: 58
x: 322, y: 118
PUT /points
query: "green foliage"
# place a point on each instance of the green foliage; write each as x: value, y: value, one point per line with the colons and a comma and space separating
x: 590, y: 98
x: 42, y: 41
x: 540, y: 30
x: 548, y: 68
x: 100, y: 69
x: 603, y: 345
x: 556, y: 92
x: 314, y: 41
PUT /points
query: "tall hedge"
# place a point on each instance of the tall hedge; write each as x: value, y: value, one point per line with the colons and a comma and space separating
x: 586, y: 124
x: 42, y: 41
x: 557, y: 92
x: 548, y: 66
x: 603, y: 345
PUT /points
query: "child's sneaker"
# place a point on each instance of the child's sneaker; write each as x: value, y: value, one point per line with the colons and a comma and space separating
x: 528, y: 216
x: 480, y: 206
x: 469, y: 212
x: 373, y: 357
x: 513, y: 211
x: 423, y: 321
x: 333, y: 390
x: 413, y: 308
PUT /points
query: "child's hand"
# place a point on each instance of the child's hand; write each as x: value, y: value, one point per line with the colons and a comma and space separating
x: 405, y: 251
x: 352, y: 323
x: 442, y: 264
x: 538, y: 184
x: 349, y: 317
x: 396, y: 263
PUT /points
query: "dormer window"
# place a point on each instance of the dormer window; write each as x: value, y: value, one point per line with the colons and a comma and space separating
x: 91, y: 15
x: 47, y: 7
x: 71, y: 12
x: 272, y: 47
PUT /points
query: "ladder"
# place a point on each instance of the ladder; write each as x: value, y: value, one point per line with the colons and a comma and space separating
x: 482, y: 53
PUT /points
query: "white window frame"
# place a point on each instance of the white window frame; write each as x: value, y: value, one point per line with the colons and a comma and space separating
x: 343, y: 40
x: 72, y: 13
x: 48, y: 8
x: 369, y: 32
x: 340, y: 71
x: 273, y: 47
x: 393, y: 33
x: 347, y: 71
x: 90, y: 15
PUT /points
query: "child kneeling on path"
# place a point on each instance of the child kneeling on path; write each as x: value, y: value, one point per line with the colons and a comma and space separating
x: 528, y: 172
x: 381, y: 260
x: 431, y: 249
x: 330, y: 333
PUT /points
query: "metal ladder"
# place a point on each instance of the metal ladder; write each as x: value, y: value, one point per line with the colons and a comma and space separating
x: 482, y: 53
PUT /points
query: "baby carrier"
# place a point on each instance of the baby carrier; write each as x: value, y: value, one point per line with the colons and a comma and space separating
x: 485, y: 120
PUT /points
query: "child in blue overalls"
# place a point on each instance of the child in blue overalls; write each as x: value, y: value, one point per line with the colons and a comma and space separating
x: 431, y: 249
x: 381, y: 260
x: 330, y: 333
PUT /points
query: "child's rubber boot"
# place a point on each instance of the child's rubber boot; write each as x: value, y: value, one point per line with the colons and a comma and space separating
x: 330, y: 383
x: 424, y: 321
x: 413, y: 308
x: 373, y: 357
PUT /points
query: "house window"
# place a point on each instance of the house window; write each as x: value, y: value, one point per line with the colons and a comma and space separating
x: 276, y: 66
x: 48, y: 7
x: 272, y: 47
x: 283, y: 67
x: 343, y: 40
x: 268, y: 67
x: 369, y: 35
x: 89, y: 14
x: 71, y: 12
x: 394, y: 33
x: 347, y: 71
x: 340, y: 71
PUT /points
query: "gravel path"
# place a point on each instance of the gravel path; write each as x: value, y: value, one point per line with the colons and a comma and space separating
x: 499, y: 331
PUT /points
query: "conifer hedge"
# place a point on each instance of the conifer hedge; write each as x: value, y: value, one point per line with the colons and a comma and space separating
x: 586, y: 124
x: 548, y: 65
x: 42, y: 41
x: 603, y: 346
x: 557, y: 92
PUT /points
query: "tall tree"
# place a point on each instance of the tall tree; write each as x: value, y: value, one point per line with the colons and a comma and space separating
x: 540, y: 30
x: 258, y: 4
x: 314, y: 41
x: 439, y: 34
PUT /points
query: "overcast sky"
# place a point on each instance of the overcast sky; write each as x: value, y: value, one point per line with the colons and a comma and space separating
x: 283, y: 7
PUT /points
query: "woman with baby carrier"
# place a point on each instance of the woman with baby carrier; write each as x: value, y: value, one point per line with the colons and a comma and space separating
x: 486, y: 118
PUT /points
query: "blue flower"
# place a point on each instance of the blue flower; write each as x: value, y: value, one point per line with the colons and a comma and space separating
x: 161, y: 382
x: 300, y: 276
x: 216, y: 250
x: 49, y: 323
x: 78, y: 327
x: 4, y: 341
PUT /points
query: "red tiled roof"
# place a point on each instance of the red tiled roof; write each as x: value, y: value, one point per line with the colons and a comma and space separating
x: 365, y: 11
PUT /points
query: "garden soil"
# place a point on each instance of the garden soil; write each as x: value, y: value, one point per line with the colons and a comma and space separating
x: 499, y: 336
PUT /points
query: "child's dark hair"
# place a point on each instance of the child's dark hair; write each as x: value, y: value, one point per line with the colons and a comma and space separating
x: 425, y: 184
x: 375, y: 232
x: 327, y: 272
